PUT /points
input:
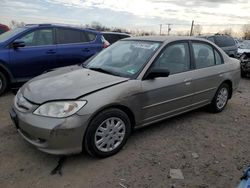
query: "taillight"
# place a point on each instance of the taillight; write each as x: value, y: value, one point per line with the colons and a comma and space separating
x: 106, y: 44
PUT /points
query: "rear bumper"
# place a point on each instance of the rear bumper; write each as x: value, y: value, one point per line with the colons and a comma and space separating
x: 51, y: 135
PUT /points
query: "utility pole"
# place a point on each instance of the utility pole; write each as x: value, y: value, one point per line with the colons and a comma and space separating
x: 169, y: 28
x: 160, y: 28
x: 192, y: 27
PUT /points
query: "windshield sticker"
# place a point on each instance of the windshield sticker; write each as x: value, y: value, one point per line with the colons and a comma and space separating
x: 146, y: 46
x: 131, y: 71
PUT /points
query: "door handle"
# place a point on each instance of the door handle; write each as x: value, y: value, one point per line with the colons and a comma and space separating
x: 220, y: 74
x: 188, y: 81
x: 51, y: 51
x: 86, y: 50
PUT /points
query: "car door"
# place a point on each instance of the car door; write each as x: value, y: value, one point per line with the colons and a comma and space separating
x: 74, y: 46
x: 37, y: 56
x: 168, y: 96
x: 208, y: 73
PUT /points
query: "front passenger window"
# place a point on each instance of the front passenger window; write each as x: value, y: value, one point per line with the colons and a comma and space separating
x: 39, y: 37
x: 175, y: 58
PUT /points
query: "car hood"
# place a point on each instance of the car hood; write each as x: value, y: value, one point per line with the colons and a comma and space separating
x: 67, y: 83
x: 241, y: 51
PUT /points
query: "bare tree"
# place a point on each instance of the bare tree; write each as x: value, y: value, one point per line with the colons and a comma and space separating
x: 13, y: 24
x: 183, y: 33
x: 197, y: 29
x: 246, y: 31
x: 99, y: 27
x: 228, y: 31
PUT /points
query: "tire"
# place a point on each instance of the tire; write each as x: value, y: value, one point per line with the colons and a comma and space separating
x: 101, y: 138
x: 3, y: 83
x: 243, y: 74
x: 220, y: 99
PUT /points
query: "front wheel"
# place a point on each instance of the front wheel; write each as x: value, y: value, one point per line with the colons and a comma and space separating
x: 3, y: 83
x: 107, y: 133
x: 220, y: 99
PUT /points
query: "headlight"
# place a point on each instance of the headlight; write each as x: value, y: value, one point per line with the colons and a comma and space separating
x: 59, y: 109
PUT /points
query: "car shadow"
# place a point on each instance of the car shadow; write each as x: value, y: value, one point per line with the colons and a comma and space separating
x: 246, y: 77
x: 65, y: 162
x: 7, y: 93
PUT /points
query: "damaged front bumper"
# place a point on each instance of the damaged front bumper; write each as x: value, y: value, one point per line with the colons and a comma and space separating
x: 245, y: 62
x: 245, y: 66
x: 60, y: 136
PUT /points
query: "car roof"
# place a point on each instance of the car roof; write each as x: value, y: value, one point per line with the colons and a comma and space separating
x: 215, y: 35
x: 115, y: 33
x: 5, y: 26
x: 164, y: 38
x: 60, y: 25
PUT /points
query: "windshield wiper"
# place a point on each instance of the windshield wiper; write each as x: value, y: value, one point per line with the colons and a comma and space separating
x: 102, y: 70
x: 83, y: 65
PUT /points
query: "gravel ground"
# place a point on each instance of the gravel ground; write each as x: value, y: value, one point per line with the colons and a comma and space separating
x: 210, y: 149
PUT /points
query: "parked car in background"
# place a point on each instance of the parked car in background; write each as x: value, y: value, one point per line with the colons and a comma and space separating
x: 237, y: 42
x: 245, y: 64
x: 112, y: 37
x: 244, y: 47
x: 225, y: 42
x: 133, y: 83
x: 244, y: 57
x: 28, y: 51
x: 3, y: 28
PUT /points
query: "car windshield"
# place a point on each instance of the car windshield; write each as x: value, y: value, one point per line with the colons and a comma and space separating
x: 224, y: 41
x: 124, y: 58
x: 5, y: 36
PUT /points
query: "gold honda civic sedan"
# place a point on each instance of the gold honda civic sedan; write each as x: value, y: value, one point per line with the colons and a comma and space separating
x: 133, y: 83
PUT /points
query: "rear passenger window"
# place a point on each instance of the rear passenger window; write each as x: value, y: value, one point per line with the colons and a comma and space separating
x: 175, y: 58
x: 68, y: 36
x: 218, y: 59
x: 204, y: 55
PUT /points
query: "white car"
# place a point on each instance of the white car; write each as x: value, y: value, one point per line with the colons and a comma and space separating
x: 244, y: 47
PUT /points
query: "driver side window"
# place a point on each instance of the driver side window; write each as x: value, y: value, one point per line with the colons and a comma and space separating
x: 175, y: 58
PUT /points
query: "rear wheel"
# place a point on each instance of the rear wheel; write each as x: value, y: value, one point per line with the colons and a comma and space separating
x: 107, y: 133
x: 220, y: 99
x: 3, y: 83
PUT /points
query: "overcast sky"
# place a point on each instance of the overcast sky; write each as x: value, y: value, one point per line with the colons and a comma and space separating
x: 130, y: 14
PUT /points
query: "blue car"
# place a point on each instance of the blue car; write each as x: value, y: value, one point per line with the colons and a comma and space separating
x: 28, y: 51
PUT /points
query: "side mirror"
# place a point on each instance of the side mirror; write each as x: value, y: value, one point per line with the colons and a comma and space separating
x: 156, y: 73
x: 18, y: 43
